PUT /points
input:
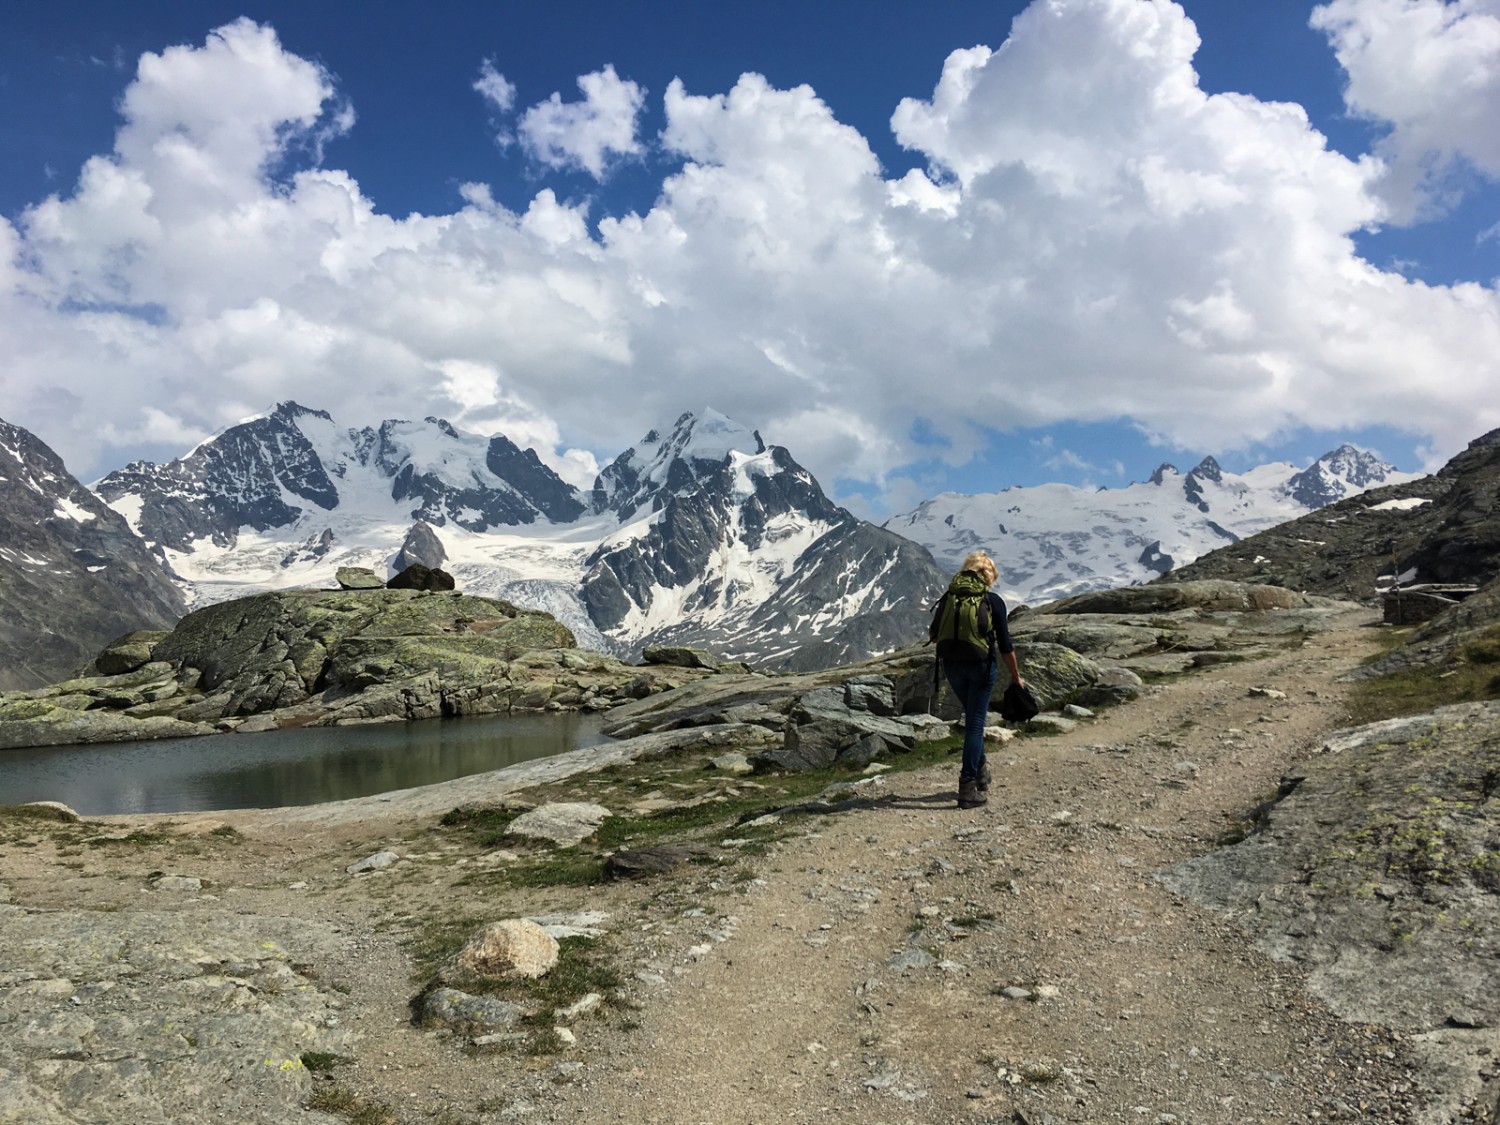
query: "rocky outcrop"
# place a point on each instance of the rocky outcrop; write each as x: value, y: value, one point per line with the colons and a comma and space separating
x: 1381, y: 861
x: 1465, y: 631
x: 168, y: 1015
x: 421, y: 547
x: 330, y: 657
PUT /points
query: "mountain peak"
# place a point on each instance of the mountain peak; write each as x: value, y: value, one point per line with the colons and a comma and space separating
x: 1208, y: 469
x: 711, y: 436
x: 1342, y: 472
x: 289, y: 410
x: 699, y: 446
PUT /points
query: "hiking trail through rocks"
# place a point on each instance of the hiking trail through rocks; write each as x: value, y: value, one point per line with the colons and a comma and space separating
x: 897, y: 961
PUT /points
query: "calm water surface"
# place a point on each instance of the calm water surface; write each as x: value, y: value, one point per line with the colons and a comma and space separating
x: 290, y: 767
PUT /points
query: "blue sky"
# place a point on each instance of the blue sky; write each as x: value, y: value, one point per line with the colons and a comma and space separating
x: 1093, y: 249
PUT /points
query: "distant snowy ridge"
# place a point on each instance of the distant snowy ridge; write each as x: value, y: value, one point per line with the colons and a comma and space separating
x: 703, y: 535
x: 1055, y: 540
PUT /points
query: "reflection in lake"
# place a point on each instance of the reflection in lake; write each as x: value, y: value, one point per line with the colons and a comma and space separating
x: 289, y: 767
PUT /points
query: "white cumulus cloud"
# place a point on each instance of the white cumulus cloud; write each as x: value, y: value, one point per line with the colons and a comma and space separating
x: 1430, y: 71
x: 1091, y: 237
x: 586, y: 134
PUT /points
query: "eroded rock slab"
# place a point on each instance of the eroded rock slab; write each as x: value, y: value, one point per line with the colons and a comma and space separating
x: 137, y: 1016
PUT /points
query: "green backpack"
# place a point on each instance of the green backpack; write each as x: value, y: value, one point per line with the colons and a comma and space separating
x: 961, y: 623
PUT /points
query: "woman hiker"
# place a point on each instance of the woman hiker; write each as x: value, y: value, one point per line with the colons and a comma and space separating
x: 972, y: 637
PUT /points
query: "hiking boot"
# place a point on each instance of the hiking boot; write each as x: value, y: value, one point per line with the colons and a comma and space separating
x: 984, y: 777
x: 970, y: 796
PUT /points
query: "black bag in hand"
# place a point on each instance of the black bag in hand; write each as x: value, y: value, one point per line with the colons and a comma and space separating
x: 1018, y: 704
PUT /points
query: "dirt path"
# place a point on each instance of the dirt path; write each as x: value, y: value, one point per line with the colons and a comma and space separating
x: 1140, y: 1008
x: 902, y: 962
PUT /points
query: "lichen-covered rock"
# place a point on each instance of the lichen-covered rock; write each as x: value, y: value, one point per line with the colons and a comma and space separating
x: 1204, y: 594
x: 1381, y: 862
x: 680, y: 656
x: 127, y: 653
x: 358, y: 578
x: 165, y: 1016
x: 60, y: 726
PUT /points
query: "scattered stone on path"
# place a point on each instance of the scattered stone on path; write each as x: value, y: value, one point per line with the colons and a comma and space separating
x: 186, y: 884
x: 1267, y: 693
x: 513, y: 949
x: 1050, y: 724
x: 582, y: 923
x: 377, y: 862
x: 562, y: 822
x: 911, y: 959
x: 635, y: 863
x: 450, y: 1006
x: 732, y: 762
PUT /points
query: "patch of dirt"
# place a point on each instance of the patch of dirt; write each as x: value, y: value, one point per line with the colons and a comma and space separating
x: 1049, y: 977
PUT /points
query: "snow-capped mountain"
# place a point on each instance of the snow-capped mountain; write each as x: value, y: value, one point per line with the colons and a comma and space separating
x: 726, y: 543
x: 1055, y: 540
x: 703, y: 536
x: 72, y: 575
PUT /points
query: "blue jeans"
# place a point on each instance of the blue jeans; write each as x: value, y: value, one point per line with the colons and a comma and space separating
x: 972, y: 682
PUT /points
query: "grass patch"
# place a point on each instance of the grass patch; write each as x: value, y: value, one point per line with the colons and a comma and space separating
x: 139, y: 838
x: 1471, y: 678
x: 321, y: 1062
x: 344, y: 1102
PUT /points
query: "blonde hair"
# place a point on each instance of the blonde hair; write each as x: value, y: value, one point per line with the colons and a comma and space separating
x: 982, y: 565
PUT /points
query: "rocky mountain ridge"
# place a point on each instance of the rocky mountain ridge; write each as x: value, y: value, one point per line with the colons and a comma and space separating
x: 72, y: 573
x: 703, y: 535
x: 1443, y: 528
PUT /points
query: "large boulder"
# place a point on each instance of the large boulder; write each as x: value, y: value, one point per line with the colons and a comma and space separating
x: 127, y: 653
x: 680, y: 656
x: 358, y: 578
x: 420, y: 577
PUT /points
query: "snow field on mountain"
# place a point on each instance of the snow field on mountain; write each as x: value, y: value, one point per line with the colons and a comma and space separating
x: 735, y: 582
x: 1052, y: 541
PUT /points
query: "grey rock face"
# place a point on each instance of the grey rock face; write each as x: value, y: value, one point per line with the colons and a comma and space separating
x: 421, y: 547
x: 1378, y: 870
x: 135, y: 1016
x: 73, y: 574
x: 127, y: 653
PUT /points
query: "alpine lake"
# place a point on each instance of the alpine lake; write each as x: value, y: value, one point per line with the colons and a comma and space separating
x: 306, y: 766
